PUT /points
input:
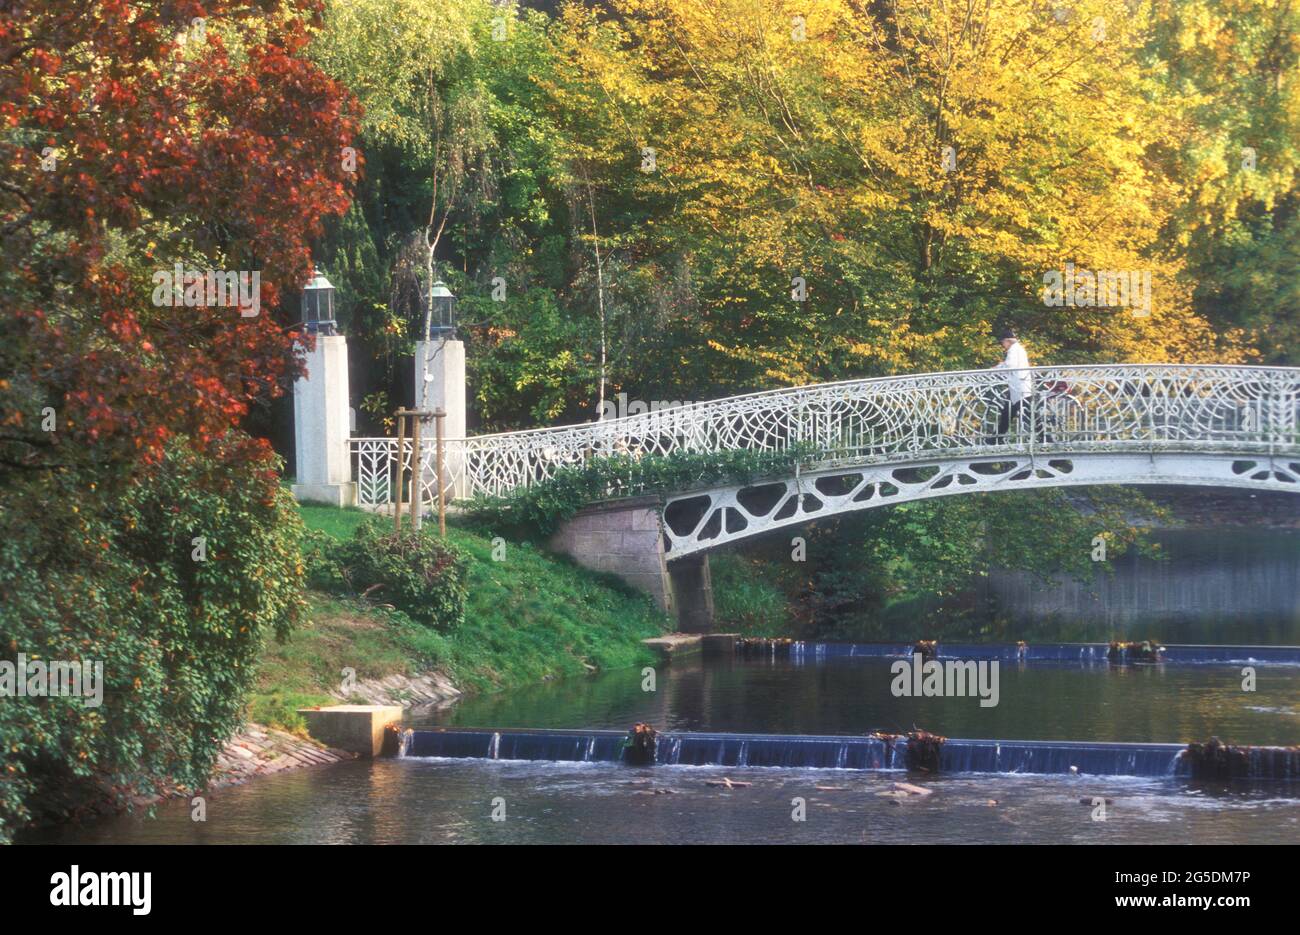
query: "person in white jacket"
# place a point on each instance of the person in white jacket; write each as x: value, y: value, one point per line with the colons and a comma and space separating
x: 1020, y: 383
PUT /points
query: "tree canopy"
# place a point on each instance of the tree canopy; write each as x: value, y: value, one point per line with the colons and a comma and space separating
x: 732, y: 195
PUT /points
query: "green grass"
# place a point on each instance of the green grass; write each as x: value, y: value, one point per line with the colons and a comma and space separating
x: 533, y: 616
x: 299, y: 672
x: 529, y: 617
x: 339, y: 523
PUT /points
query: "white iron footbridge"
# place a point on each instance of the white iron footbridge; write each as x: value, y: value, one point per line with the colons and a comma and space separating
x: 889, y: 440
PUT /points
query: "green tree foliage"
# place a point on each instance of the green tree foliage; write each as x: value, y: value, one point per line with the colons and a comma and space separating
x: 710, y: 153
x: 457, y: 162
x: 932, y: 553
x: 1248, y: 278
x: 138, y: 139
x: 1233, y: 65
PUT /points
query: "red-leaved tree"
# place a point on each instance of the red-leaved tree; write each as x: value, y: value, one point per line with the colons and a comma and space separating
x: 135, y: 136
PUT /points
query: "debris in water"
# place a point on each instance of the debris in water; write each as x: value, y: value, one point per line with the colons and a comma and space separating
x: 639, y: 748
x: 923, y: 750
x: 727, y: 783
x: 1219, y: 760
x: 394, y: 741
x: 1094, y: 799
x: 1146, y: 651
x: 912, y: 790
x: 1074, y: 770
x: 831, y: 788
x: 905, y: 790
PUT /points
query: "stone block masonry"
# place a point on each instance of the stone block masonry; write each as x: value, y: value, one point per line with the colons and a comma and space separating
x: 624, y: 538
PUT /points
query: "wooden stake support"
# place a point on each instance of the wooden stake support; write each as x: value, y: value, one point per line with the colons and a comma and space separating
x: 439, y: 416
x: 416, y: 461
x: 401, y: 462
x: 417, y: 469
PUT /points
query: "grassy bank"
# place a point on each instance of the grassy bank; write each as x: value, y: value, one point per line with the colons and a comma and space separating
x: 531, y: 616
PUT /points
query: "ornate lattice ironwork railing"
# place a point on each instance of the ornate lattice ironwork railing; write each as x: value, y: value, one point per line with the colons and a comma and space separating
x: 1088, y: 408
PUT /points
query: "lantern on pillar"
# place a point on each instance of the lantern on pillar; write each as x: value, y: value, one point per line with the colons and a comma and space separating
x: 318, y: 306
x: 442, y: 323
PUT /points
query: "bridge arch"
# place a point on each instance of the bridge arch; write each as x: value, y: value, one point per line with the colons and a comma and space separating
x: 699, y: 521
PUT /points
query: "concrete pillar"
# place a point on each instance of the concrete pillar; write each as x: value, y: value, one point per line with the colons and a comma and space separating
x: 440, y: 384
x: 623, y: 538
x: 322, y: 426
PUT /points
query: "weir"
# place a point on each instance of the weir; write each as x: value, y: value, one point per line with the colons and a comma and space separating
x: 1014, y: 652
x: 867, y: 752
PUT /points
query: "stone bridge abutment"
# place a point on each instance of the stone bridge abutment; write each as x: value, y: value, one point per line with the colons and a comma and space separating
x: 625, y: 538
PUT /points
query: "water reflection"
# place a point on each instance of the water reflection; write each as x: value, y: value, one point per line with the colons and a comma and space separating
x: 852, y: 696
x: 1243, y: 587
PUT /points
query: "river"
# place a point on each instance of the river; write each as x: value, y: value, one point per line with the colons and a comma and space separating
x: 433, y: 800
x: 437, y: 800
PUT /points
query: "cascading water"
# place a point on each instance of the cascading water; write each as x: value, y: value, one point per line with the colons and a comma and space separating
x: 710, y: 749
x: 561, y: 746
x: 873, y: 752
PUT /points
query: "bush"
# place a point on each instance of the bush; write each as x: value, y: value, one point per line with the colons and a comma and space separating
x: 320, y: 556
x: 100, y: 568
x: 416, y: 572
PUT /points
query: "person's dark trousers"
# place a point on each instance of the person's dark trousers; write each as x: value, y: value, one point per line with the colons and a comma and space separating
x: 1010, y: 411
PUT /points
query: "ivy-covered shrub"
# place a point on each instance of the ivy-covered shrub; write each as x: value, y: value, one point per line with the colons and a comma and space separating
x: 416, y: 572
x: 537, y: 510
x: 170, y: 582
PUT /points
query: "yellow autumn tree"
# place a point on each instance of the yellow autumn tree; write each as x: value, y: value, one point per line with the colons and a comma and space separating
x: 917, y: 170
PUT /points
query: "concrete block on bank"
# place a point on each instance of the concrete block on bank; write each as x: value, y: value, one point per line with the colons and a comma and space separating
x: 672, y: 646
x: 605, y: 537
x: 637, y: 542
x: 608, y: 542
x: 646, y: 521
x: 600, y: 522
x: 357, y: 728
